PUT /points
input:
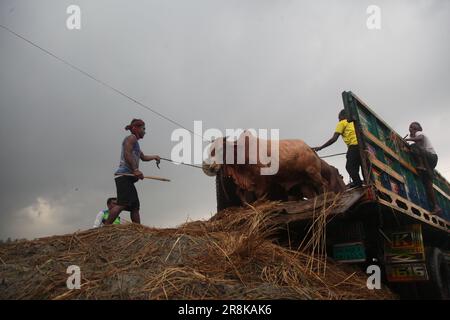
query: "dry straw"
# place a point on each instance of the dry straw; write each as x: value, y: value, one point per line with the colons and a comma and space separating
x: 230, y: 256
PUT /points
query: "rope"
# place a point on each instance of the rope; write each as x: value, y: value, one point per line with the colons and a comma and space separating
x: 199, y: 167
x: 120, y: 92
x: 185, y: 164
x: 333, y: 155
x: 98, y: 80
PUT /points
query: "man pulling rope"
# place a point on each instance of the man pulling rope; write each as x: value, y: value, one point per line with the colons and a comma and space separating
x: 128, y: 173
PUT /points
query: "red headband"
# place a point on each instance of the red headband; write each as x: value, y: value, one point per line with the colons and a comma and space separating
x: 135, y: 123
x: 134, y: 126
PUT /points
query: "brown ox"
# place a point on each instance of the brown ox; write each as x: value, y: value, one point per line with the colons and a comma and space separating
x: 333, y: 177
x: 299, y: 169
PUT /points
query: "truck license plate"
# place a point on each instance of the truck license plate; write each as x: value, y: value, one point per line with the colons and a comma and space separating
x: 406, y: 272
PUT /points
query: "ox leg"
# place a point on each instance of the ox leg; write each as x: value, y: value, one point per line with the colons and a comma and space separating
x: 246, y: 196
x: 260, y: 195
x: 319, y: 183
x: 298, y: 191
x: 308, y: 191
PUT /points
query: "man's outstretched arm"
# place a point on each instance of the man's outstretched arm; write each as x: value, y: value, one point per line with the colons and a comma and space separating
x: 149, y: 158
x: 332, y: 140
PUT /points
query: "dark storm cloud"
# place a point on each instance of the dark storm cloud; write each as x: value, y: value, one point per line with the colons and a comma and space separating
x: 259, y: 64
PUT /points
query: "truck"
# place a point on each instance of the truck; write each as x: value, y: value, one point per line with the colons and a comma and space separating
x: 387, y: 222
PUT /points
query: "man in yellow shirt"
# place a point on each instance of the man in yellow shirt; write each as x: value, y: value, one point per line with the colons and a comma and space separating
x: 347, y: 131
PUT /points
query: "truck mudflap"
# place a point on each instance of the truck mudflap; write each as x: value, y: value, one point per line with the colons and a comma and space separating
x: 404, y: 255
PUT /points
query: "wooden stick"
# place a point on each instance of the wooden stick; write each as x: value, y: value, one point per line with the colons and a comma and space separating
x: 145, y: 177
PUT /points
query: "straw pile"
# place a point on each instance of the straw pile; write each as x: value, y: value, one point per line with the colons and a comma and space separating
x: 230, y: 256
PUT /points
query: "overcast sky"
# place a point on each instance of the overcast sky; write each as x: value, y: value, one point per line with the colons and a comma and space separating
x: 230, y: 63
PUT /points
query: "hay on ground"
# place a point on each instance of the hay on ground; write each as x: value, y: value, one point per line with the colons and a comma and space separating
x: 229, y: 256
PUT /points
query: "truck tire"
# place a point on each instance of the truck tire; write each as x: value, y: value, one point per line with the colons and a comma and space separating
x: 438, y: 271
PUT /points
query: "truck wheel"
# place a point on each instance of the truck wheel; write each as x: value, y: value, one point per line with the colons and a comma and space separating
x: 438, y: 271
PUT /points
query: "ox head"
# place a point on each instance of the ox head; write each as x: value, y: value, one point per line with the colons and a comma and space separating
x: 248, y: 149
x: 216, y: 156
x: 223, y: 151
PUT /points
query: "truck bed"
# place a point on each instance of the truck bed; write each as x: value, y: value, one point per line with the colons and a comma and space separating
x: 329, y: 203
x: 388, y: 166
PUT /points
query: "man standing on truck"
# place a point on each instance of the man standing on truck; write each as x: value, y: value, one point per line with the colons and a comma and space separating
x: 427, y: 159
x: 128, y: 173
x: 346, y: 129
